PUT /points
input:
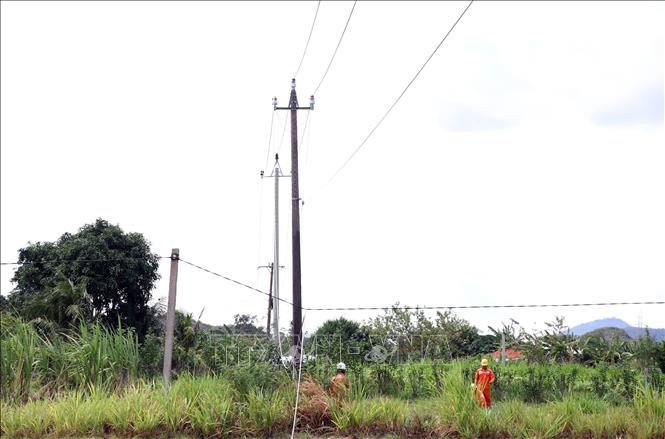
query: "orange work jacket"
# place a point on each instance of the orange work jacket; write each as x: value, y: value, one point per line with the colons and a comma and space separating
x: 340, y: 384
x: 484, y: 377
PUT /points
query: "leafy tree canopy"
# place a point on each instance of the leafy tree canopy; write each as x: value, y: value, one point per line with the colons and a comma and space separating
x: 341, y: 340
x: 115, y: 289
x: 245, y: 324
x: 345, y: 329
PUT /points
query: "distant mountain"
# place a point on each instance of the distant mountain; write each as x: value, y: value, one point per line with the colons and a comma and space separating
x: 214, y: 329
x: 608, y: 334
x: 597, y: 324
x: 632, y: 331
x: 657, y: 333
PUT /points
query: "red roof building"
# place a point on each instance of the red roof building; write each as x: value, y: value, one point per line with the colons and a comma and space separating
x: 511, y: 355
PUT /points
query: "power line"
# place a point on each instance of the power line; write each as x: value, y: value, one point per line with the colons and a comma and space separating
x: 551, y: 305
x: 304, y: 129
x: 272, y: 121
x: 305, y: 149
x: 358, y: 308
x: 234, y: 281
x: 281, y: 141
x: 258, y: 257
x: 305, y: 146
x: 336, y: 48
x: 260, y: 234
x: 386, y: 308
x: 57, y: 261
x: 308, y: 38
x: 400, y: 95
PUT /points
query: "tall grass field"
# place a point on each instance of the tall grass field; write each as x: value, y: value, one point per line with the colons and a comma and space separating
x: 90, y: 382
x: 213, y: 407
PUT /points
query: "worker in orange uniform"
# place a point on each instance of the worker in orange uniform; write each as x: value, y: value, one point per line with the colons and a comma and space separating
x: 340, y: 382
x: 484, y: 379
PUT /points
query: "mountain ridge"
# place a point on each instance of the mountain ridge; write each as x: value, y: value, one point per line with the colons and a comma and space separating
x: 633, y: 332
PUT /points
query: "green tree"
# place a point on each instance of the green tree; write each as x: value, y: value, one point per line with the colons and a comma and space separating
x: 341, y: 338
x: 661, y: 356
x: 559, y: 344
x: 646, y: 350
x: 415, y: 336
x: 515, y: 335
x: 245, y: 324
x: 459, y: 333
x: 556, y: 343
x: 64, y: 304
x: 484, y: 344
x: 188, y: 341
x: 404, y: 332
x: 117, y: 269
x: 605, y: 345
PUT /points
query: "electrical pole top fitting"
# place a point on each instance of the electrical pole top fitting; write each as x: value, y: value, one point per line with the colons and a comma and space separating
x: 293, y: 104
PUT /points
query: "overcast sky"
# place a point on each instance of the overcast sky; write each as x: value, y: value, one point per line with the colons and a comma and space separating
x: 524, y: 165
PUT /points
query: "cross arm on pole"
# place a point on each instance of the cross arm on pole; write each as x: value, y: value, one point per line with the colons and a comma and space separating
x: 296, y: 108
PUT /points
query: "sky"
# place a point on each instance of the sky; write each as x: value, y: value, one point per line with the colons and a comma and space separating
x: 523, y: 165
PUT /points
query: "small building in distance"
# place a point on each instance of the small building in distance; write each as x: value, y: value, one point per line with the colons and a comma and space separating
x: 511, y: 355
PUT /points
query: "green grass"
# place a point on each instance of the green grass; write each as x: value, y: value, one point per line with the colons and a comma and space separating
x: 88, y: 382
x: 211, y: 407
x: 36, y: 362
x: 39, y: 361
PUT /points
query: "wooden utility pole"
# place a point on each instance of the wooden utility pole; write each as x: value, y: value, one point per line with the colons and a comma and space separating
x: 170, y: 316
x: 295, y: 211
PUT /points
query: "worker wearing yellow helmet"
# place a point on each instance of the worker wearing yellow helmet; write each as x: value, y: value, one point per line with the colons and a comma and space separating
x: 483, y: 380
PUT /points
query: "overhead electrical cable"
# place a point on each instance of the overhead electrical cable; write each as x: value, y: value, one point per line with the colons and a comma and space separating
x: 308, y: 38
x: 535, y: 305
x: 357, y: 308
x: 59, y: 261
x: 234, y: 281
x: 281, y: 141
x: 272, y: 121
x: 304, y: 172
x: 304, y: 129
x: 400, y: 95
x: 265, y: 169
x: 426, y: 307
x: 336, y: 48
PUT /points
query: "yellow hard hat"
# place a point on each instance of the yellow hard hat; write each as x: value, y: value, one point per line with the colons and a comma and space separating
x: 484, y: 362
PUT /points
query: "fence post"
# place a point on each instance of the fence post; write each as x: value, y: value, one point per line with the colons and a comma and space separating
x: 170, y: 316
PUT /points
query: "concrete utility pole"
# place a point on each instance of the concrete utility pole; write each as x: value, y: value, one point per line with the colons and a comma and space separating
x: 295, y: 211
x: 503, y: 349
x: 270, y: 301
x: 276, y: 174
x: 170, y: 316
